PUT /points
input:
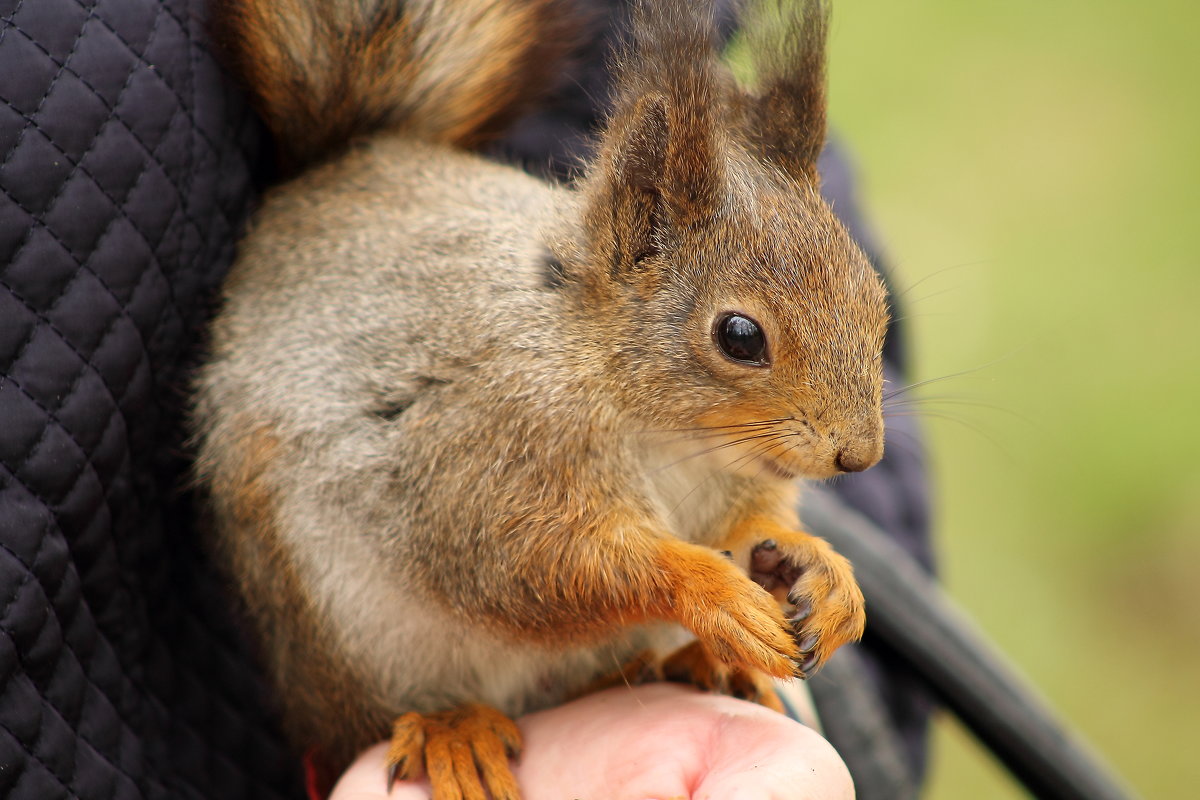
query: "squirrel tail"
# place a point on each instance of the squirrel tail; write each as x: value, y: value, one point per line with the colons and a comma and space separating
x: 450, y: 71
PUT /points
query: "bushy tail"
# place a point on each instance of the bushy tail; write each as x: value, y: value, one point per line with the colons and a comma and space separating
x: 452, y: 71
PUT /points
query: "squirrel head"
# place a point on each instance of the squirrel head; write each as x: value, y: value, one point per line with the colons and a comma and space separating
x: 740, y: 307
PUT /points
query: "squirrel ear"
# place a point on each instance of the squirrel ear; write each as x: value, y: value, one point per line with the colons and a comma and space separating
x: 785, y: 42
x: 662, y: 157
x: 625, y: 214
x: 658, y: 171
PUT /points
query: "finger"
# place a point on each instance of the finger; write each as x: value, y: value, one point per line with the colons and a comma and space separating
x: 801, y: 763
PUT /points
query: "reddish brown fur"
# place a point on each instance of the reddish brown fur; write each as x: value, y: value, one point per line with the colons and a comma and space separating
x: 462, y: 751
x: 323, y: 73
x: 614, y: 572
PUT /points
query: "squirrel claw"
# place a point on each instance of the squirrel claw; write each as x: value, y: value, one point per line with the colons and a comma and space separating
x: 810, y: 660
x: 392, y: 771
x: 802, y: 610
x: 810, y: 666
x: 807, y: 644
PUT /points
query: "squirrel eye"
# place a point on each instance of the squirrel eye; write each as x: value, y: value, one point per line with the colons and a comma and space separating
x: 740, y: 339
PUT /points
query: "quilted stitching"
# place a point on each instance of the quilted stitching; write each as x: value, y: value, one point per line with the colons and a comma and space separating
x: 126, y: 166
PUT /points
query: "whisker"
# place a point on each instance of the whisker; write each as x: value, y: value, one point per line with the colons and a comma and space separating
x: 922, y: 315
x: 753, y: 480
x: 903, y: 293
x: 912, y: 302
x: 959, y: 374
x: 721, y: 446
x: 978, y: 431
x: 718, y: 428
x: 703, y: 435
x: 911, y: 443
x: 922, y: 405
x: 754, y: 452
x: 928, y: 381
x: 751, y: 484
x: 959, y: 401
x: 757, y: 450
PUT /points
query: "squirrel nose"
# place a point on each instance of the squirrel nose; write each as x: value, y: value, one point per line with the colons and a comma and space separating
x: 861, y: 446
x: 851, y: 460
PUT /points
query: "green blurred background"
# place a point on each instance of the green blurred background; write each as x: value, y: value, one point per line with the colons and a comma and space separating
x: 1032, y: 169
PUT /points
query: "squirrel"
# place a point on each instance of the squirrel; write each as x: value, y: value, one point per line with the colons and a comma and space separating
x: 470, y: 441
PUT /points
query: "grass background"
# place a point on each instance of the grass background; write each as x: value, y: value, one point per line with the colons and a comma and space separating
x: 1033, y: 170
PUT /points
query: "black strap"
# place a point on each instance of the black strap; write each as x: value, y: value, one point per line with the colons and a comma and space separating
x: 908, y: 611
x: 858, y: 725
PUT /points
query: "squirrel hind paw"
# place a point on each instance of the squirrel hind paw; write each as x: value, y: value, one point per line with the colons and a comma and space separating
x: 694, y: 664
x: 464, y: 752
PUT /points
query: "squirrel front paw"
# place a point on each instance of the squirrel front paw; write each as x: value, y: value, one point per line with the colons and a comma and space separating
x: 827, y: 605
x: 739, y: 622
x: 462, y: 751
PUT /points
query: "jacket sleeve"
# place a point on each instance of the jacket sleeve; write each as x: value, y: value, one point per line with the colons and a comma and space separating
x: 127, y: 166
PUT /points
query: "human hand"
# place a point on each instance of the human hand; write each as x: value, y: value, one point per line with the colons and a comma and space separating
x: 662, y: 741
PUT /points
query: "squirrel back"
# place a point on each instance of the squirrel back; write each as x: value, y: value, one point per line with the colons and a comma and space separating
x: 323, y: 72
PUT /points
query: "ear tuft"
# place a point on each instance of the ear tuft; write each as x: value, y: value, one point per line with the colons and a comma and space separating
x: 785, y: 43
x: 661, y: 160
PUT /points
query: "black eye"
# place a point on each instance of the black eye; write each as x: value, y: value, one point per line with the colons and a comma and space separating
x: 741, y: 339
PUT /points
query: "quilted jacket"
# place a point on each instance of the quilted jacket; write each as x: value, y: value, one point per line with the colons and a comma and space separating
x: 128, y: 165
